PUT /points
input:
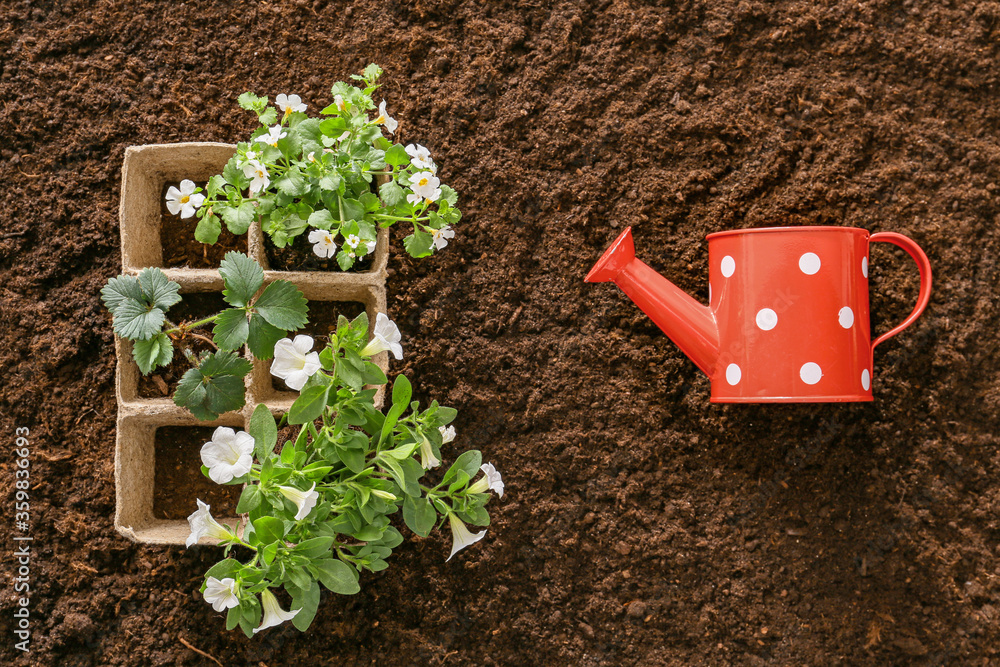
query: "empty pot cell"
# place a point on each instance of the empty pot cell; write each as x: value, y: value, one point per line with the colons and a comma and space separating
x: 178, y: 483
x: 180, y: 249
x: 162, y: 382
x: 322, y: 320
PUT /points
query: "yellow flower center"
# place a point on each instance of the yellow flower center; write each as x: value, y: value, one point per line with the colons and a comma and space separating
x: 380, y: 120
x: 423, y: 181
x: 185, y: 199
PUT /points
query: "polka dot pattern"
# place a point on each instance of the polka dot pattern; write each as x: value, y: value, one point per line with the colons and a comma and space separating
x: 767, y: 319
x: 810, y: 373
x: 809, y: 263
x: 733, y: 374
x: 866, y: 379
x: 728, y: 266
x: 846, y: 317
x: 864, y: 266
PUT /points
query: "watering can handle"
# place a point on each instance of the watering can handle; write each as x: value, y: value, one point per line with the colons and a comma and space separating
x: 923, y: 264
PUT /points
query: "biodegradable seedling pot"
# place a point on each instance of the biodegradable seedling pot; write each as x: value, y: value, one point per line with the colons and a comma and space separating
x: 146, y: 170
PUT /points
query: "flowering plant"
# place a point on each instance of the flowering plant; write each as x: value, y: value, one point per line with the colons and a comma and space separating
x: 317, y: 512
x: 214, y: 383
x: 299, y: 173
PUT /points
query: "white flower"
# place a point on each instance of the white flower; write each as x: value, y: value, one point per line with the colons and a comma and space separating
x: 304, y: 500
x: 491, y: 481
x: 312, y: 156
x: 221, y: 593
x: 248, y: 157
x: 353, y: 240
x: 385, y: 337
x: 323, y: 244
x: 228, y: 454
x: 204, y: 525
x: 441, y: 236
x: 420, y: 158
x: 427, y: 458
x: 425, y: 186
x: 370, y: 245
x: 184, y: 201
x: 258, y: 173
x: 447, y: 433
x: 273, y: 135
x: 273, y: 614
x: 338, y: 101
x: 294, y: 362
x: 344, y: 136
x: 461, y: 536
x: 385, y: 119
x: 289, y: 103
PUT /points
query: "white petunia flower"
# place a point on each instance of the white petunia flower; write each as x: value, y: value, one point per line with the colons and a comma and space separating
x: 228, y: 454
x: 338, y: 101
x: 420, y: 158
x: 274, y: 133
x: 289, y: 103
x: 258, y: 172
x: 441, y: 236
x: 184, y: 201
x: 491, y: 481
x: 221, y: 593
x: 461, y: 536
x: 385, y: 337
x: 352, y: 241
x: 370, y: 245
x: 447, y: 433
x: 425, y: 186
x: 304, y: 500
x: 427, y: 458
x: 312, y: 156
x: 294, y: 362
x: 204, y: 525
x: 385, y: 119
x: 273, y: 614
x: 323, y: 244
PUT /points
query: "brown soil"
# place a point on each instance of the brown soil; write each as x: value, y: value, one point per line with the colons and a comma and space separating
x: 178, y: 453
x: 641, y: 524
x: 181, y: 250
x: 193, y: 307
x: 299, y: 256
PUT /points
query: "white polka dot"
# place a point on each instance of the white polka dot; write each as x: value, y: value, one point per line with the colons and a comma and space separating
x: 810, y: 373
x: 728, y: 266
x: 866, y: 379
x: 767, y: 319
x: 733, y: 374
x: 864, y: 266
x: 809, y: 263
x: 710, y: 292
x: 846, y: 317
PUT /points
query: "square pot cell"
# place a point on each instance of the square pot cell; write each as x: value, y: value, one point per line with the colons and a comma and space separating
x: 146, y: 174
x: 158, y: 477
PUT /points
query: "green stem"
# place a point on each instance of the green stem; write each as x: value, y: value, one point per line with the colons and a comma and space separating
x: 194, y: 325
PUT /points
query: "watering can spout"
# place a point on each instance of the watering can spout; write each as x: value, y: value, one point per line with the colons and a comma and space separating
x: 689, y: 324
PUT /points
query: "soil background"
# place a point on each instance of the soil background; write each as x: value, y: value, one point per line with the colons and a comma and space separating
x: 641, y: 524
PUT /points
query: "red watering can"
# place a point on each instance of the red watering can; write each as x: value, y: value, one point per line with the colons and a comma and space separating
x: 787, y: 319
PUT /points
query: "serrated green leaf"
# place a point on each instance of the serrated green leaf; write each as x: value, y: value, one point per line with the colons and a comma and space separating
x: 283, y: 306
x: 370, y: 202
x: 264, y: 431
x: 391, y: 194
x: 309, y: 405
x: 330, y: 182
x: 157, y: 351
x: 159, y: 290
x: 231, y: 329
x: 293, y: 183
x: 238, y: 219
x: 418, y: 244
x: 397, y: 156
x: 119, y: 290
x: 136, y: 321
x: 321, y: 219
x: 243, y: 277
x: 336, y: 575
x: 208, y: 229
x: 449, y: 195
x: 353, y: 209
x: 251, y: 102
x: 215, y: 387
x: 268, y: 116
x: 263, y: 337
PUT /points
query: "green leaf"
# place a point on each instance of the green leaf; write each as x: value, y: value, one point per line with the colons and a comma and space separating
x: 251, y: 102
x: 336, y: 575
x: 234, y: 175
x: 418, y: 244
x: 330, y: 182
x: 402, y: 391
x: 309, y: 405
x: 268, y: 116
x: 283, y: 306
x: 314, y: 547
x: 469, y: 463
x: 321, y: 219
x: 249, y: 499
x: 238, y: 219
x: 136, y: 321
x: 243, y: 277
x: 419, y: 515
x: 354, y: 459
x: 157, y: 351
x: 158, y: 289
x: 119, y: 290
x: 224, y: 568
x: 264, y: 430
x: 391, y: 194
x: 397, y: 156
x: 392, y: 466
x: 353, y: 209
x: 293, y: 183
x: 233, y: 617
x: 262, y: 337
x: 449, y: 195
x: 412, y: 472
x: 208, y: 229
x: 268, y: 529
x: 307, y: 602
x: 215, y: 387
x: 231, y: 329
